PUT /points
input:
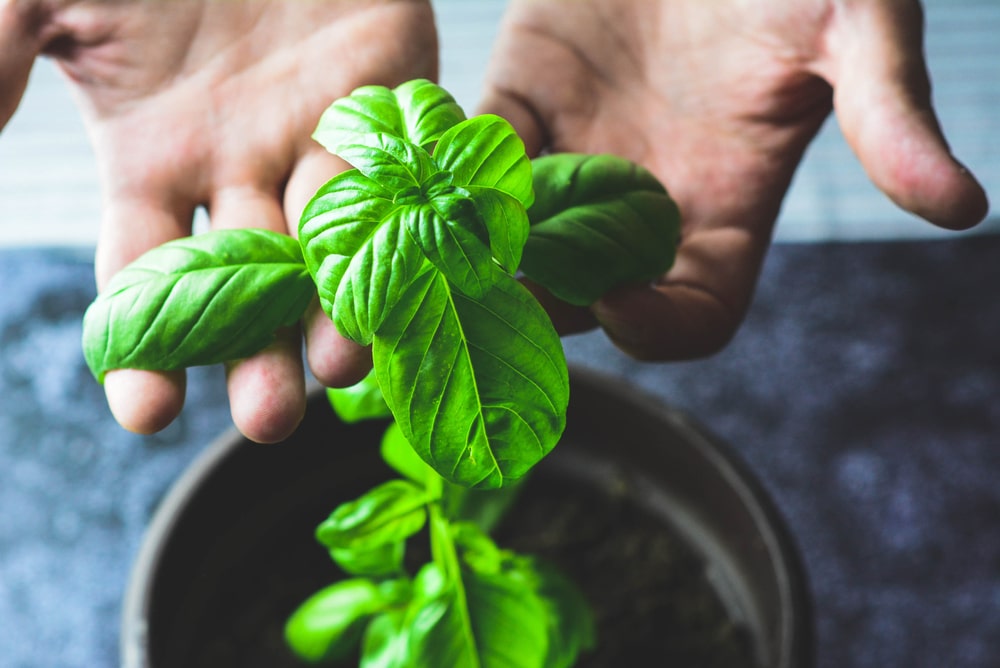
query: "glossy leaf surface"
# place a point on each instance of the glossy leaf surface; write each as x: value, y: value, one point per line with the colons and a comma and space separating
x: 391, y: 512
x: 597, y: 222
x: 329, y: 624
x: 418, y: 111
x: 479, y: 387
x: 211, y: 298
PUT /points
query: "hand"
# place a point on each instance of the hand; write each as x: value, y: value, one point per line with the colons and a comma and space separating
x: 719, y: 100
x: 212, y: 103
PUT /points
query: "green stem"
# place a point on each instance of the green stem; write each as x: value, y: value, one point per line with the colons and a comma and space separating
x: 445, y: 555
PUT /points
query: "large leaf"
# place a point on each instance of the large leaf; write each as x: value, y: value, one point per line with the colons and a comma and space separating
x: 597, y: 222
x: 358, y: 251
x: 418, y: 111
x: 479, y: 387
x: 211, y: 298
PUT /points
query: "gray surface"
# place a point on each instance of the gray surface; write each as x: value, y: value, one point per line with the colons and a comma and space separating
x: 862, y: 390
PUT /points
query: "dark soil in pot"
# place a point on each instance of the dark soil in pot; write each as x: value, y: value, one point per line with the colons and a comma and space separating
x: 682, y: 556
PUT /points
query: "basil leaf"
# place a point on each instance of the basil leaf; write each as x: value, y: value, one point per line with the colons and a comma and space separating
x: 390, y: 512
x: 446, y: 230
x: 479, y: 388
x: 439, y: 629
x: 571, y: 627
x: 385, y: 641
x: 361, y: 401
x: 486, y: 151
x: 506, y: 222
x: 597, y: 222
x: 211, y: 298
x: 358, y: 252
x: 374, y: 562
x: 418, y: 111
x: 396, y: 164
x: 399, y: 455
x: 329, y: 624
x: 509, y: 621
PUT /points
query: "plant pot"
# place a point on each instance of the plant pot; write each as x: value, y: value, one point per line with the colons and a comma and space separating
x: 671, y: 537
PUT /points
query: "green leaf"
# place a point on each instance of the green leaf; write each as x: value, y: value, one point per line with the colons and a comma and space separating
x: 394, y: 163
x: 361, y: 401
x: 211, y: 298
x: 439, y: 629
x: 597, y: 222
x: 506, y: 222
x: 571, y: 628
x: 509, y: 621
x: 329, y: 624
x: 418, y: 111
x: 399, y: 455
x: 375, y: 562
x: 389, y: 513
x: 451, y: 235
x: 479, y: 388
x: 358, y: 252
x: 485, y: 151
x: 385, y: 641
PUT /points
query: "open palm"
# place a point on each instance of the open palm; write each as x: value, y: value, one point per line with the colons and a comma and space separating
x: 719, y: 100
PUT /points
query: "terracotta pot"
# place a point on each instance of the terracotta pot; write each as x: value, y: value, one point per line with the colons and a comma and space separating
x: 230, y: 551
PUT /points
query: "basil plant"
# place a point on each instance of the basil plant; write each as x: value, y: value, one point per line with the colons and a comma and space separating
x: 416, y: 251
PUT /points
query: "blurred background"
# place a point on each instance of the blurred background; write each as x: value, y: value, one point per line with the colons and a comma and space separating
x: 863, y: 389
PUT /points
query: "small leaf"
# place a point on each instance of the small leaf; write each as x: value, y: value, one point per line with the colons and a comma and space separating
x: 479, y: 387
x: 374, y: 562
x: 399, y: 455
x: 418, y: 111
x: 451, y: 235
x: 393, y: 163
x: 391, y: 512
x: 211, y: 298
x: 598, y: 222
x: 485, y: 151
x: 506, y: 222
x: 361, y: 401
x: 385, y: 641
x: 571, y: 622
x: 329, y: 624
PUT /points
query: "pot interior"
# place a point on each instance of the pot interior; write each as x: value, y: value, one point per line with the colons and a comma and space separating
x: 233, y: 541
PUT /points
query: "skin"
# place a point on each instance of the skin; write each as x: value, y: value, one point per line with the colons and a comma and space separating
x: 718, y: 99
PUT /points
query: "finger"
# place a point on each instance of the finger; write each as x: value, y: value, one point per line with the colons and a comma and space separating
x: 267, y: 395
x: 334, y: 360
x: 141, y: 401
x: 883, y: 102
x: 266, y: 391
x: 144, y: 402
x: 508, y: 92
x: 19, y: 28
x: 695, y: 310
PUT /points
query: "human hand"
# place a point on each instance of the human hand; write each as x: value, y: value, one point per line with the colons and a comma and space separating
x: 212, y: 103
x: 719, y: 100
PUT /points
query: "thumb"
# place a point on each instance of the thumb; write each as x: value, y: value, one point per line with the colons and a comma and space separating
x: 20, y: 44
x: 882, y: 96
